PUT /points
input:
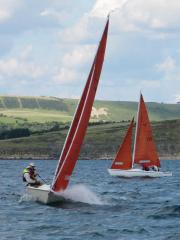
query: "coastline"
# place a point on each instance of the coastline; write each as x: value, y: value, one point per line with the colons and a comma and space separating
x: 34, y: 158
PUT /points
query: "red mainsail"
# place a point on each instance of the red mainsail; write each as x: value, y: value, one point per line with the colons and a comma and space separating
x: 79, y: 125
x: 123, y: 159
x: 145, y: 148
x: 74, y: 123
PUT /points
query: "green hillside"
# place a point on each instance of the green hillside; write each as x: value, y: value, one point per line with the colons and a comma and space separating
x: 49, y: 103
x: 46, y: 109
x: 36, y: 127
x: 101, y: 142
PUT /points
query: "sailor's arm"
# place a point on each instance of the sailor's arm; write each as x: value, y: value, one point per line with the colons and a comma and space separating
x: 35, y: 173
x: 28, y: 179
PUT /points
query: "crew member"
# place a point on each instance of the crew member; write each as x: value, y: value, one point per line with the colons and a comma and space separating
x: 30, y: 176
x: 155, y: 168
x: 145, y: 166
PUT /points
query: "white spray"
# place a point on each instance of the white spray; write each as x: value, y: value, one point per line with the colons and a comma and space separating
x: 81, y: 193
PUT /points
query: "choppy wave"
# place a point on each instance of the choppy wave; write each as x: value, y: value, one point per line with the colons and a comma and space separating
x: 114, y: 208
x: 166, y: 212
x: 81, y: 193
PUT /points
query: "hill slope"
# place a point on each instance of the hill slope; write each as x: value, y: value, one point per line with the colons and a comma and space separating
x: 43, y: 109
x: 101, y: 142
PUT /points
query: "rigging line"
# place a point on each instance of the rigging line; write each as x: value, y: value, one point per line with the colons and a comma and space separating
x: 118, y: 8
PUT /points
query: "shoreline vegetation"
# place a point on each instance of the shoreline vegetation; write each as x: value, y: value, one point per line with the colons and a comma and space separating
x: 101, y: 142
x: 172, y: 158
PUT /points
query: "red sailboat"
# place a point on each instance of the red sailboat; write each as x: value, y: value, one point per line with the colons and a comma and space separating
x: 75, y: 137
x: 144, y: 154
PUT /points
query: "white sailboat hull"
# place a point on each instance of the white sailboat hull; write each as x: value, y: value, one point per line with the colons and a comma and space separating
x: 138, y: 173
x: 44, y: 194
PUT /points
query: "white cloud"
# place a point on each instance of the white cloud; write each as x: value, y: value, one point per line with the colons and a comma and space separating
x: 79, y: 56
x: 4, y: 15
x: 157, y: 23
x: 103, y: 7
x: 72, y: 64
x: 137, y: 29
x: 26, y: 52
x: 168, y: 65
x: 48, y: 12
x: 52, y: 13
x: 7, y: 8
x: 76, y: 33
x: 66, y: 76
x: 15, y: 68
x: 140, y: 14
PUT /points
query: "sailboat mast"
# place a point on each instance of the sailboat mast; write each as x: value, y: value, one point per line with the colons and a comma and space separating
x: 135, y: 138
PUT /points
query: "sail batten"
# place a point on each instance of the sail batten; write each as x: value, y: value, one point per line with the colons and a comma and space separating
x: 79, y: 125
x: 123, y: 159
x: 145, y: 148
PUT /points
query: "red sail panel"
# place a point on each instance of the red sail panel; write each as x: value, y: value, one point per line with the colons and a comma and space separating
x: 123, y: 159
x: 74, y: 123
x: 63, y: 175
x: 145, y: 148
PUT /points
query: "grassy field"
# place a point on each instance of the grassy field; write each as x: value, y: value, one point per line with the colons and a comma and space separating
x: 33, y: 115
x: 47, y: 109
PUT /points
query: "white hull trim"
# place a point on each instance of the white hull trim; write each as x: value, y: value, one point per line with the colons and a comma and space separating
x: 44, y: 194
x: 138, y: 173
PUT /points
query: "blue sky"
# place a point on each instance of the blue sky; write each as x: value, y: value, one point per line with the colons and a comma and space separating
x: 47, y: 48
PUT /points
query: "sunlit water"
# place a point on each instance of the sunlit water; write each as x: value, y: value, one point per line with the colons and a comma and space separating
x: 99, y: 206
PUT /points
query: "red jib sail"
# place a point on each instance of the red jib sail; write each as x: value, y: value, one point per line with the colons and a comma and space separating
x: 79, y: 125
x: 123, y: 159
x: 74, y: 123
x: 145, y: 148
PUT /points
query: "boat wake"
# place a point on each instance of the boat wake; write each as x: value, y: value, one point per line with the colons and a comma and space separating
x: 81, y: 193
x: 26, y: 198
x: 78, y: 193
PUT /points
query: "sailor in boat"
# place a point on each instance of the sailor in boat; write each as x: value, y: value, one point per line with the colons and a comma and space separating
x: 155, y: 168
x: 145, y: 167
x: 30, y: 176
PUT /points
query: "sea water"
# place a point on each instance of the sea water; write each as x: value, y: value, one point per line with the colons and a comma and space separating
x: 99, y: 206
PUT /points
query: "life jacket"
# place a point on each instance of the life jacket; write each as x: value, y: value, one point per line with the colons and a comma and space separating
x: 26, y: 170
